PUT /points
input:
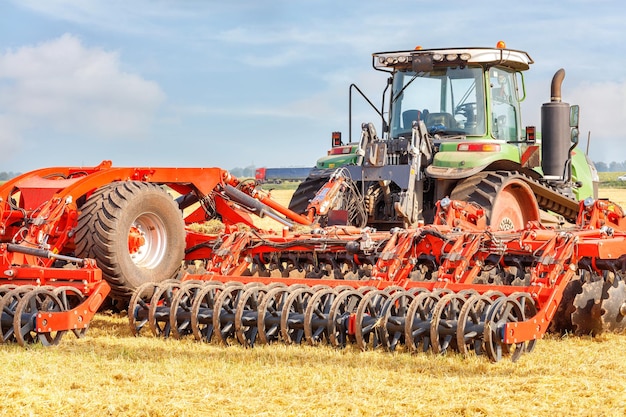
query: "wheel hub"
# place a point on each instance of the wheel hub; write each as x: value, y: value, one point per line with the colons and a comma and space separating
x: 506, y: 224
x: 136, y: 240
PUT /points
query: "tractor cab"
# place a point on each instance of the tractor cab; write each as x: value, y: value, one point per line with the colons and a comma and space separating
x: 468, y: 98
x: 469, y: 92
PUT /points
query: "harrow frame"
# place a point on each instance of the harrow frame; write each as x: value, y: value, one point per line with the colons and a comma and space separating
x: 359, y: 271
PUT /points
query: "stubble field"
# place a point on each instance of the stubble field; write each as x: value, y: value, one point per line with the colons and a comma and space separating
x: 110, y: 372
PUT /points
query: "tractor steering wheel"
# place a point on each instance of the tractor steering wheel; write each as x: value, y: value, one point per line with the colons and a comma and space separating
x: 465, y: 109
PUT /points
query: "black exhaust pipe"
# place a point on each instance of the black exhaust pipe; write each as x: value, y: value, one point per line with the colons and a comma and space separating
x: 555, y: 132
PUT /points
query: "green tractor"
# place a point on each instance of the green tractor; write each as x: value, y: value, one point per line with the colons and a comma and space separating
x: 452, y: 127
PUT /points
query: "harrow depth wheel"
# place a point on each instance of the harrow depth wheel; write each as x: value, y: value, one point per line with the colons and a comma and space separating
x: 503, y: 311
x: 32, y: 304
x: 135, y: 232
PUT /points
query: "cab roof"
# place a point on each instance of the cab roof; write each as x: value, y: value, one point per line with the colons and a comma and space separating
x: 420, y: 59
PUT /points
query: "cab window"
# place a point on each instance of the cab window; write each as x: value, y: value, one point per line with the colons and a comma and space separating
x: 503, y: 104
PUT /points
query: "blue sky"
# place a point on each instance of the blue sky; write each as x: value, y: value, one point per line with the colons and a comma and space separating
x: 239, y: 83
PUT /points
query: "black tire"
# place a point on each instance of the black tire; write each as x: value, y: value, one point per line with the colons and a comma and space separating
x: 305, y: 192
x: 104, y: 228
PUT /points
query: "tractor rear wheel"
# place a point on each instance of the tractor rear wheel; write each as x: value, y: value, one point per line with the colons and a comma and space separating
x: 305, y: 192
x: 135, y: 232
x: 508, y: 200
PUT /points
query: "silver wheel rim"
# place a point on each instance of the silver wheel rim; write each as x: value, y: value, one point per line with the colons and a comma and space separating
x: 152, y: 229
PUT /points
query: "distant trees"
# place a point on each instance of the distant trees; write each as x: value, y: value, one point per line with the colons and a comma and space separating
x: 611, y: 167
x: 247, y: 172
x: 4, y: 176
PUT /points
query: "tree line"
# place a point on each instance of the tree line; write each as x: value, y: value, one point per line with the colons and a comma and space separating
x: 4, y: 176
x: 248, y: 172
x: 611, y: 167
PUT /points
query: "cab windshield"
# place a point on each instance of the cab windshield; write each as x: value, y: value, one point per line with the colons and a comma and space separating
x: 450, y: 101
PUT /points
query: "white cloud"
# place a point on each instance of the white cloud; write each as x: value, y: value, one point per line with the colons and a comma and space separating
x: 64, y: 85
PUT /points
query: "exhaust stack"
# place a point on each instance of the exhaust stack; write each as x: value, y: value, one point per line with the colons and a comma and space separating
x: 555, y: 131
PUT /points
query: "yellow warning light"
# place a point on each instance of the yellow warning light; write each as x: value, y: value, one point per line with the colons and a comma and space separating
x: 501, y: 45
x: 418, y: 48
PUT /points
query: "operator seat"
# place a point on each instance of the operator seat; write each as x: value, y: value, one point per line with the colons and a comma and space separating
x: 410, y: 116
x: 445, y: 119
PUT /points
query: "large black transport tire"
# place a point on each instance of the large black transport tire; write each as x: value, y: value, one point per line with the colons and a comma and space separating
x: 135, y: 232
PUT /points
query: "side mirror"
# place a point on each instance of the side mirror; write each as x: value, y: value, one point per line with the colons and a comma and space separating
x: 574, y: 136
x: 574, y: 115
